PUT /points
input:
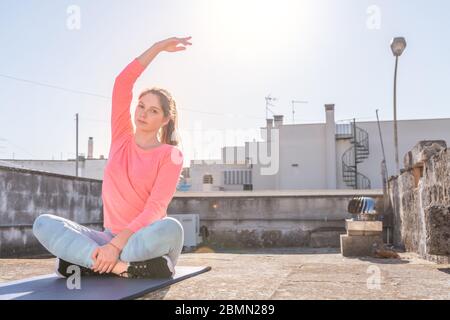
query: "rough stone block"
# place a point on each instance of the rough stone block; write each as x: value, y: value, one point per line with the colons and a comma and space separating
x: 359, y: 246
x: 422, y: 151
x: 437, y: 220
x: 361, y: 228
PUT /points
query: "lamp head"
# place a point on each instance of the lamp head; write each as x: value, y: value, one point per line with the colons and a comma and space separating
x: 398, y: 45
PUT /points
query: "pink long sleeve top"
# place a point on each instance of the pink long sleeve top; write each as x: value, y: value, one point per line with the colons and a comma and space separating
x: 138, y: 184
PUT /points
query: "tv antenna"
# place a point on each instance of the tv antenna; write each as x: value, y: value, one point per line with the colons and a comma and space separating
x: 269, y: 100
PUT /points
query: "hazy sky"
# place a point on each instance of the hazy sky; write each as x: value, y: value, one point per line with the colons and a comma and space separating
x: 322, y: 51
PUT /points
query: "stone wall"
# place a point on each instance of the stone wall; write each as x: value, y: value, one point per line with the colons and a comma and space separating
x: 25, y: 194
x: 421, y: 201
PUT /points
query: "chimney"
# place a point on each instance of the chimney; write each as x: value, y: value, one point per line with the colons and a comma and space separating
x: 330, y: 150
x: 329, y: 109
x: 278, y: 119
x: 90, y: 148
x: 266, y: 131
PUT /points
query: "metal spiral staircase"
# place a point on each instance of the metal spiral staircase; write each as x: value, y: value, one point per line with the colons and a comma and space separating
x: 357, y: 153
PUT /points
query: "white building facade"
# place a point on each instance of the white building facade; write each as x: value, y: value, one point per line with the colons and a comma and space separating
x: 88, y: 167
x: 315, y: 156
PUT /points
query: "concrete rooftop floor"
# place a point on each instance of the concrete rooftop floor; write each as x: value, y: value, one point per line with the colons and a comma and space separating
x: 285, y: 273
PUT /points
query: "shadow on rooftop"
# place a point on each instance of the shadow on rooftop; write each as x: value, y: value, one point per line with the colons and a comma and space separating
x: 381, y: 260
x: 268, y: 250
x: 445, y: 270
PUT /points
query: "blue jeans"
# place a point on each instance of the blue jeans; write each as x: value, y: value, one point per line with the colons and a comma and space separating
x: 75, y: 243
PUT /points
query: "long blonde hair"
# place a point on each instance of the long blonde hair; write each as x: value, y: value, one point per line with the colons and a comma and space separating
x: 168, y: 133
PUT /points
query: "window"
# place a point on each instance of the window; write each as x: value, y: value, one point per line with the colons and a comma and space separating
x: 208, y: 179
x: 237, y: 177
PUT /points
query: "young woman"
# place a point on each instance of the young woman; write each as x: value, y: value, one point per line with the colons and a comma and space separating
x: 139, y: 181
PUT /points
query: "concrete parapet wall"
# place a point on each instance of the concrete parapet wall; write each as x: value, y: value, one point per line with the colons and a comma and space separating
x: 313, y: 218
x: 310, y: 218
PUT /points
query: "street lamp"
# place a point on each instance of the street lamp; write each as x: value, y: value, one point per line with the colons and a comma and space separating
x: 398, y: 45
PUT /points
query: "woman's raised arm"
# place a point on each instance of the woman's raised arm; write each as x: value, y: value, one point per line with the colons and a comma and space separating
x: 169, y: 45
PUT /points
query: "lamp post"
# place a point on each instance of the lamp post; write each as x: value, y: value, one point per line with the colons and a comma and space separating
x: 398, y: 45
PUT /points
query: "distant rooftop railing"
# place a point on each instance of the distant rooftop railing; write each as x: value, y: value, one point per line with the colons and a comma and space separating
x: 343, y: 130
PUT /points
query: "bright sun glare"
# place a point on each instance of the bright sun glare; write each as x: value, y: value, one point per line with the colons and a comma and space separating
x: 254, y: 27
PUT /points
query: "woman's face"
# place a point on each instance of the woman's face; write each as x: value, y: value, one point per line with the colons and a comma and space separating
x: 149, y: 115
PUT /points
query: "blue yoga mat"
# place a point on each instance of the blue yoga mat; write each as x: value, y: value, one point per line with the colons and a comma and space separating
x: 52, y: 287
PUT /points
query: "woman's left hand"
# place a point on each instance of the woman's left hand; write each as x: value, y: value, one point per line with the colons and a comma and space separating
x: 105, y: 258
x: 171, y: 44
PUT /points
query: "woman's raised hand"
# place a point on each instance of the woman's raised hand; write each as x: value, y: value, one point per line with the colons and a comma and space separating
x: 171, y: 44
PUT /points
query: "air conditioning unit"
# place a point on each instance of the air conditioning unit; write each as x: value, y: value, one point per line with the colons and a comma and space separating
x: 191, y: 226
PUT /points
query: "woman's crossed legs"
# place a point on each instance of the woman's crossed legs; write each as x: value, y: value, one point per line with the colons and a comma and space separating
x: 75, y: 243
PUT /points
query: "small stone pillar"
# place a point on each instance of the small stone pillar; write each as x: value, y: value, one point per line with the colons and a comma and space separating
x: 363, y: 231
